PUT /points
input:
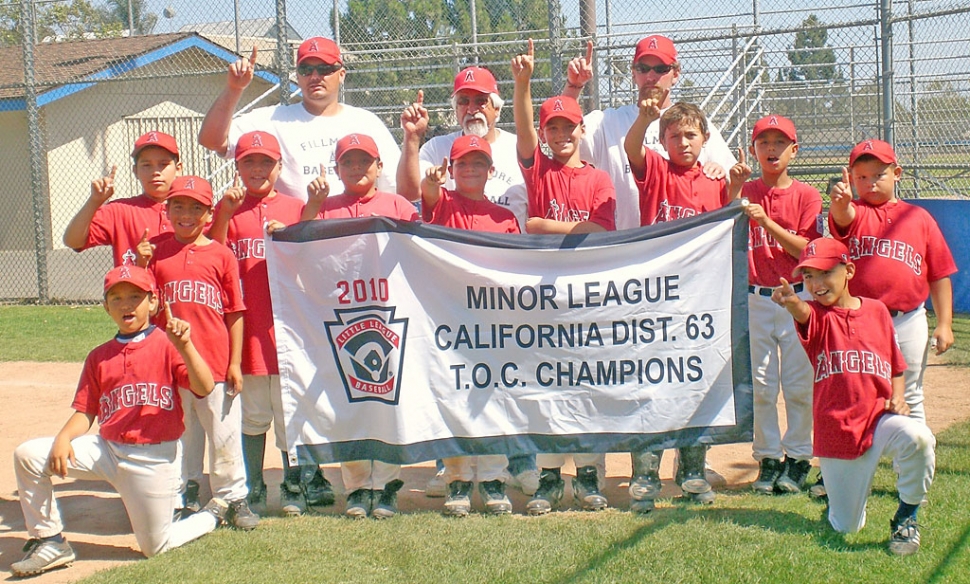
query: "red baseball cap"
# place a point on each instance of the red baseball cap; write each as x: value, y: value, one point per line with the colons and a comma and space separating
x: 823, y: 253
x: 322, y: 48
x: 658, y: 46
x: 475, y: 78
x: 134, y: 275
x: 467, y: 144
x: 155, y: 138
x: 773, y: 122
x: 882, y: 151
x: 258, y: 143
x: 560, y: 106
x: 193, y: 187
x: 356, y: 142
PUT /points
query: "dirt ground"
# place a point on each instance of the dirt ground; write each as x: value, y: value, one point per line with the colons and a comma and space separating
x: 36, y: 397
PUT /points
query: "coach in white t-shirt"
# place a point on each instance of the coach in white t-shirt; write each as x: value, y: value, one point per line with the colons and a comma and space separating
x: 655, y: 64
x: 307, y: 131
x: 477, y: 107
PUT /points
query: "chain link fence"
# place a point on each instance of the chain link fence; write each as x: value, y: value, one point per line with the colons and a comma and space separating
x: 76, y: 88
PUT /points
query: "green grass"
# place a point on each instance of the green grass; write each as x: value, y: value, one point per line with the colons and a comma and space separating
x: 67, y: 333
x: 52, y: 333
x: 741, y: 538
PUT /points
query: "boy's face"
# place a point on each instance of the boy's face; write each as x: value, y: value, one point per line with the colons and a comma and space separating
x: 259, y: 173
x: 155, y: 169
x: 130, y: 307
x: 471, y: 172
x: 774, y: 150
x: 874, y: 180
x: 683, y: 141
x: 188, y: 217
x: 562, y: 136
x: 358, y: 170
x: 829, y: 287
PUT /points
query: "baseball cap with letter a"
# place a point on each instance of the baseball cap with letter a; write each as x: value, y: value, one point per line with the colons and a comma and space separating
x: 361, y: 142
x: 258, y: 143
x: 774, y: 122
x: 823, y: 254
x: 878, y: 149
x: 466, y: 144
x: 477, y: 79
x: 658, y: 46
x: 321, y: 48
x: 193, y: 187
x: 560, y: 106
x: 139, y: 277
x: 158, y: 139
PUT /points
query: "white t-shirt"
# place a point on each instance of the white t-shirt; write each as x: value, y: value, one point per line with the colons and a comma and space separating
x: 602, y: 145
x: 307, y: 140
x: 506, y: 187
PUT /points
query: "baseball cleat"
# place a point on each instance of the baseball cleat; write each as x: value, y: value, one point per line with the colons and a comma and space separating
x: 770, y: 470
x: 586, y: 489
x: 459, y: 501
x: 494, y: 497
x: 548, y: 495
x: 43, y: 556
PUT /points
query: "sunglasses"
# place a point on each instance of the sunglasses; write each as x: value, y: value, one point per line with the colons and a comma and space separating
x: 658, y: 69
x: 322, y: 70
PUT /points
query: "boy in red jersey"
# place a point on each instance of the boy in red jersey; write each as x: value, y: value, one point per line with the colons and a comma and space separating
x: 199, y: 280
x: 858, y: 391
x: 785, y: 214
x: 123, y: 223
x: 372, y: 484
x: 566, y: 194
x: 240, y: 219
x: 467, y: 208
x: 674, y: 188
x: 901, y: 254
x: 130, y: 384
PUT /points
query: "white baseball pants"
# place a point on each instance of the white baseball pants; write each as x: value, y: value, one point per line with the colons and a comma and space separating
x: 218, y: 417
x: 913, y: 334
x: 490, y: 467
x: 262, y: 405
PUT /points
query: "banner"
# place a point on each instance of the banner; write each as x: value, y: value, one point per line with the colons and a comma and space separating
x: 406, y: 342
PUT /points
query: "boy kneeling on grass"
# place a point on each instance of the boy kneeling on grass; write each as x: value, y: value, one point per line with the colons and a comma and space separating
x: 858, y: 392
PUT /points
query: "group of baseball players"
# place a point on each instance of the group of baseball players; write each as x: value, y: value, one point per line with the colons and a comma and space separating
x: 194, y: 360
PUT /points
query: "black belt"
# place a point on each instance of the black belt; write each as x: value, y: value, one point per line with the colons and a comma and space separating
x: 895, y: 313
x: 767, y: 290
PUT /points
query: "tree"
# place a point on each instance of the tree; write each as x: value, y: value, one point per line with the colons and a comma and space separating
x: 811, y: 60
x: 73, y: 20
x: 143, y: 21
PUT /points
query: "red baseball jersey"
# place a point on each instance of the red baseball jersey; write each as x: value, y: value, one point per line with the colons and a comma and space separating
x: 898, y: 250
x: 798, y: 210
x: 132, y: 388
x: 122, y: 223
x: 669, y: 192
x: 855, y: 356
x: 564, y: 193
x: 346, y: 206
x: 454, y: 210
x: 201, y: 284
x: 245, y: 238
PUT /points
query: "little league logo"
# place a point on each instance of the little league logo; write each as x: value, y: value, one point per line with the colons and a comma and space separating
x: 368, y: 346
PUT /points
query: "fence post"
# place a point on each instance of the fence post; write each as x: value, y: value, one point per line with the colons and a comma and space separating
x: 886, y: 46
x: 283, y: 51
x: 587, y: 23
x: 34, y: 147
x: 555, y: 46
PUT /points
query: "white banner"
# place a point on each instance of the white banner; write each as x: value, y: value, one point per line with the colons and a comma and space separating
x: 407, y: 342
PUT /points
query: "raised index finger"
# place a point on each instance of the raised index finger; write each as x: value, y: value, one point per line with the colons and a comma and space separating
x: 235, y: 180
x: 168, y: 313
x: 144, y: 236
x: 845, y: 175
x: 420, y: 100
x: 589, y: 52
x: 252, y: 57
x: 741, y: 155
x: 532, y: 49
x: 114, y: 169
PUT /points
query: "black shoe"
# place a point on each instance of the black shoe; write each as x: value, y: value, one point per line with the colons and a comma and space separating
x: 359, y: 504
x: 292, y: 500
x: 690, y: 470
x: 241, y: 516
x: 771, y: 470
x: 793, y: 479
x: 190, y: 498
x: 817, y: 491
x: 459, y: 500
x: 586, y: 489
x: 257, y: 499
x: 385, y: 500
x: 494, y: 497
x: 319, y: 491
x: 549, y: 494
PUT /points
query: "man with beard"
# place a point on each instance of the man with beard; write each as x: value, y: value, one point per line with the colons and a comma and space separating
x: 308, y: 130
x: 477, y: 106
x: 655, y: 65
